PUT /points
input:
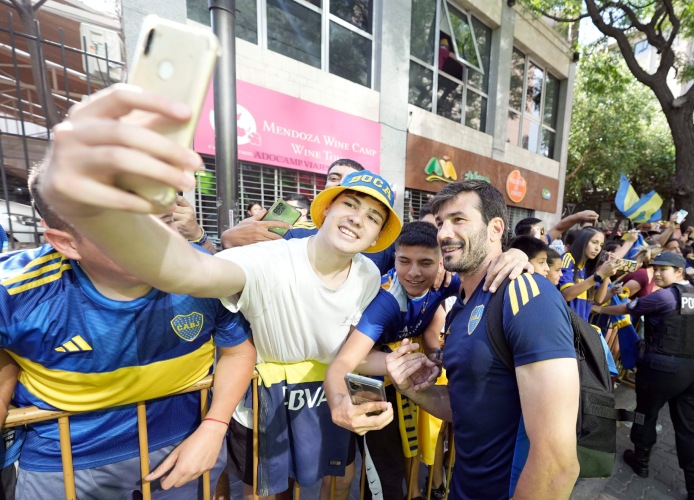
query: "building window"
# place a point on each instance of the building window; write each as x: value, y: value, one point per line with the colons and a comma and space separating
x: 449, y: 62
x: 294, y: 30
x: 414, y: 199
x: 533, y: 104
x: 333, y: 35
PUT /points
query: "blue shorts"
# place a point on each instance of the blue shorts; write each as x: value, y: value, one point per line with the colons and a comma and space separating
x: 117, y: 481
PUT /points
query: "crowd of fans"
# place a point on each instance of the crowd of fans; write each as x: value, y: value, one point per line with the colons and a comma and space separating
x: 117, y: 307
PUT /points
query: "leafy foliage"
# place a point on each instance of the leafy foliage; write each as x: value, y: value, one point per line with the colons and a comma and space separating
x: 668, y: 28
x: 617, y: 126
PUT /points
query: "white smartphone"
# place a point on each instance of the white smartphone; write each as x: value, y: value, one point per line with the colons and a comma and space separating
x: 177, y: 61
x: 680, y: 216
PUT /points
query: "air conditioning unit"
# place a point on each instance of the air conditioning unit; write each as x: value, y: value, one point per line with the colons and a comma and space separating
x: 106, y: 45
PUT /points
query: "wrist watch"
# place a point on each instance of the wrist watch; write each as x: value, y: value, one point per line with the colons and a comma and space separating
x: 597, y: 278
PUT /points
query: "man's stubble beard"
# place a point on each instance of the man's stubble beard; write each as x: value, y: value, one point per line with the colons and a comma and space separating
x: 473, y: 256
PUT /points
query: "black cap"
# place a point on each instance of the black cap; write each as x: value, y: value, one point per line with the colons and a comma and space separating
x: 670, y: 259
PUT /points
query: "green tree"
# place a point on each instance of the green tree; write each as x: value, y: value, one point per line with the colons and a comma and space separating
x: 617, y: 126
x: 663, y: 23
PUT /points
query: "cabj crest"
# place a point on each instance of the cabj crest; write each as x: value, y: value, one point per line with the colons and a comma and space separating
x: 188, y: 327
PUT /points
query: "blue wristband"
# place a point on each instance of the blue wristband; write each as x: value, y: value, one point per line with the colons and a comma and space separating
x: 202, y: 240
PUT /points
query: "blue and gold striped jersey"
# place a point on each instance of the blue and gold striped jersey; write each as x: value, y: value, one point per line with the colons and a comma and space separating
x: 81, y: 351
x: 392, y: 315
x: 308, y: 225
x: 486, y: 403
x: 581, y: 305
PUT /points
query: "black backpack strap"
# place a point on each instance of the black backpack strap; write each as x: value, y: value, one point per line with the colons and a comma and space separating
x: 631, y: 416
x: 620, y: 414
x: 495, y: 326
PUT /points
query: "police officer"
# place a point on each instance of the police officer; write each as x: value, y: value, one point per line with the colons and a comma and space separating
x: 665, y: 371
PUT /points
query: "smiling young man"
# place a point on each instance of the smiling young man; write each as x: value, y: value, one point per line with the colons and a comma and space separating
x: 300, y: 296
x: 484, y: 400
x: 403, y: 308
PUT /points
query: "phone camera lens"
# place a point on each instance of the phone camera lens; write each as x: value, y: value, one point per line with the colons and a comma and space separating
x: 148, y: 43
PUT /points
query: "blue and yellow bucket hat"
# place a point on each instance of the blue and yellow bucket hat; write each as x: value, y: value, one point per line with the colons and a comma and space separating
x: 370, y: 184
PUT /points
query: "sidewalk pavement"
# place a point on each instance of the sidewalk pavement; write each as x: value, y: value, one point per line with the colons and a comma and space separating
x: 666, y: 479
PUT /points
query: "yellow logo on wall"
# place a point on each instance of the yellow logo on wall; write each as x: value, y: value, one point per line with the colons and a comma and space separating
x: 440, y: 169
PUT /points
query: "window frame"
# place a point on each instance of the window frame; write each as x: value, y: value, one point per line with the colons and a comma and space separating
x: 442, y: 8
x: 326, y: 19
x: 524, y: 114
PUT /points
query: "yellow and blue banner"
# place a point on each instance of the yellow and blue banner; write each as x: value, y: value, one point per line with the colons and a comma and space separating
x: 637, y: 209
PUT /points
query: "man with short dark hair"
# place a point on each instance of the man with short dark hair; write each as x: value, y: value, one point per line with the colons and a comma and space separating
x: 303, y: 205
x: 488, y: 400
x: 532, y: 226
x: 404, y: 308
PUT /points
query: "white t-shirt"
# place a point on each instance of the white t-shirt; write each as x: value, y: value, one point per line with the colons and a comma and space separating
x: 293, y: 314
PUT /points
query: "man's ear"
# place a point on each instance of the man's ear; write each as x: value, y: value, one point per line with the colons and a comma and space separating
x: 495, y: 229
x: 62, y: 241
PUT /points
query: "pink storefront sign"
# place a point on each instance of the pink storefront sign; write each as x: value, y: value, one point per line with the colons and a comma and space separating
x: 276, y: 129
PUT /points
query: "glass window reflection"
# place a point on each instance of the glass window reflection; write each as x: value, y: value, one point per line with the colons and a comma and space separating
x: 350, y: 55
x: 355, y: 12
x: 294, y: 31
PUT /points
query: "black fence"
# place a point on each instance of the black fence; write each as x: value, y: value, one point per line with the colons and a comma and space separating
x: 44, y: 70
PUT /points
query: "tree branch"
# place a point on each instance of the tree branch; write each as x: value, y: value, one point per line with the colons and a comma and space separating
x: 38, y: 5
x: 623, y: 43
x: 554, y: 17
x: 674, y: 20
x: 581, y: 162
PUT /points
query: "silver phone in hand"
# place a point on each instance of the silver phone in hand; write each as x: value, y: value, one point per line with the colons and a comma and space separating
x: 364, y: 389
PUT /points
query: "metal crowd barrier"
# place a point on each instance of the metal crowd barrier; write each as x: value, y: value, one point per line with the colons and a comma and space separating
x: 29, y: 415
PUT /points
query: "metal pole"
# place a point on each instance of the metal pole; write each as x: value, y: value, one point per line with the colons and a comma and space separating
x: 223, y: 18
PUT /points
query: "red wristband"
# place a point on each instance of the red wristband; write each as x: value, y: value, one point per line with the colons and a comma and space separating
x: 216, y: 420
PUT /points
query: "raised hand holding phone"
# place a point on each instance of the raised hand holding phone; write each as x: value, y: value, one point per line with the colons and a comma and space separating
x: 680, y: 215
x: 283, y: 212
x: 173, y: 60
